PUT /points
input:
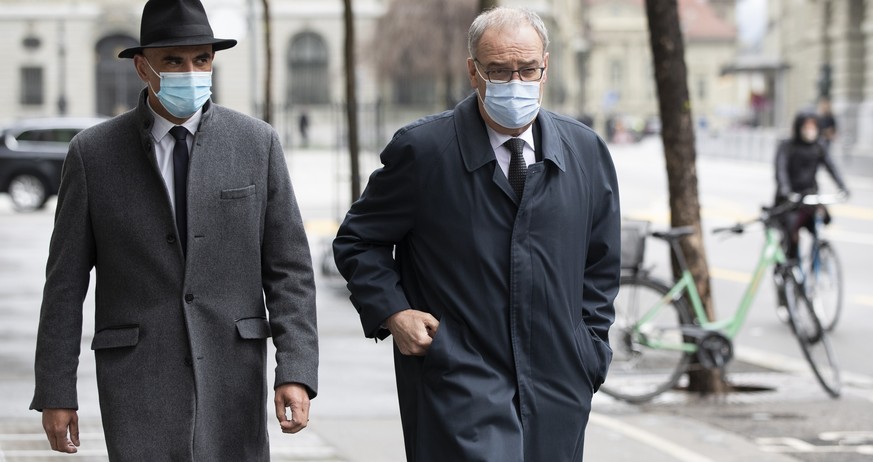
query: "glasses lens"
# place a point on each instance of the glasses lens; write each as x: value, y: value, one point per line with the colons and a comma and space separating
x: 500, y: 75
x: 532, y: 73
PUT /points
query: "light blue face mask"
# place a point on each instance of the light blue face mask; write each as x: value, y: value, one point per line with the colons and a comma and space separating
x: 513, y: 104
x: 183, y: 93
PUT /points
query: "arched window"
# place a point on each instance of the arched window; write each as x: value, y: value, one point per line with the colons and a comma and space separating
x: 117, y: 83
x: 307, y: 70
x: 413, y: 89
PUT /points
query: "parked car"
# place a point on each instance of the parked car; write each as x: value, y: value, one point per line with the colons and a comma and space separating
x: 32, y: 152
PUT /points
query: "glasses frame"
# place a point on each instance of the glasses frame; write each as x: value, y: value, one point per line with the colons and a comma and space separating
x: 542, y: 70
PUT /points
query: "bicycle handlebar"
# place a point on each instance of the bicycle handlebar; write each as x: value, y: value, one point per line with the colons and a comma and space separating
x: 736, y: 229
x: 823, y: 199
x: 794, y: 202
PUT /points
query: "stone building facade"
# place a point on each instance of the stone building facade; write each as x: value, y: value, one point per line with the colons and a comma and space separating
x: 827, y: 47
x: 60, y: 59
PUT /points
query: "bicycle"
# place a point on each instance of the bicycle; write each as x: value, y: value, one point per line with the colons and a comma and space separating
x: 659, y: 327
x: 822, y: 267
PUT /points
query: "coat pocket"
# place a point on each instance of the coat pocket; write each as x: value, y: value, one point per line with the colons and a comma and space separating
x: 253, y: 328
x: 238, y: 193
x: 116, y: 337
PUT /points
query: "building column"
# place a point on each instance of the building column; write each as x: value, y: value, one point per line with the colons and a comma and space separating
x: 848, y: 67
x: 863, y: 146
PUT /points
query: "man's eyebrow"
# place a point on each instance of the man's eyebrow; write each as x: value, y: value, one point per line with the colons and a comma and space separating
x: 204, y: 55
x: 521, y: 64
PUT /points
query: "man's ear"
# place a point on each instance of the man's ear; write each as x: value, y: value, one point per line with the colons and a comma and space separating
x: 546, y: 65
x: 139, y: 63
x: 471, y: 72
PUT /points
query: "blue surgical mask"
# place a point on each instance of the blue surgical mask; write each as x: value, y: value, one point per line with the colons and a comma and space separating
x: 513, y: 104
x: 183, y: 93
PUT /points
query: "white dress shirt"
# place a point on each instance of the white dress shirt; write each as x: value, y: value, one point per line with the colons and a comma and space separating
x: 164, y: 143
x: 502, y: 152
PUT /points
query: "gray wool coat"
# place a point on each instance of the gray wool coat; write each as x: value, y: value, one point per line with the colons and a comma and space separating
x: 523, y: 289
x: 180, y: 343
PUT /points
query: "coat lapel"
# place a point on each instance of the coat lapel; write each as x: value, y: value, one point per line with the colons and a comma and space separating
x: 476, y: 149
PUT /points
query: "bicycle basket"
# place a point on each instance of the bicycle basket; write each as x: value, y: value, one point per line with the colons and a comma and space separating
x: 633, y: 243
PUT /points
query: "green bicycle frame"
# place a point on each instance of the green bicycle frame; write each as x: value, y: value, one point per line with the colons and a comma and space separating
x: 771, y: 254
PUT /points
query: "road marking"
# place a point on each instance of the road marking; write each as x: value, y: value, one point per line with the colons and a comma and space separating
x: 851, y: 211
x: 661, y: 444
x: 730, y: 275
x: 794, y: 445
x: 861, y: 383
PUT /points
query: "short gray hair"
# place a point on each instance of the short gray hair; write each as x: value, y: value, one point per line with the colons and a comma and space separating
x: 504, y: 17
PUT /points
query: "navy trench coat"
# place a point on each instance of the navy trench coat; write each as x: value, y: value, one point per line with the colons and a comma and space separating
x: 523, y: 291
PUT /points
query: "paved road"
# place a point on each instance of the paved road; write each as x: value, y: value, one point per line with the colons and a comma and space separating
x: 355, y: 417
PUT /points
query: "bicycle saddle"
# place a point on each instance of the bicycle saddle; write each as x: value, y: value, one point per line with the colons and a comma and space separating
x: 674, y: 233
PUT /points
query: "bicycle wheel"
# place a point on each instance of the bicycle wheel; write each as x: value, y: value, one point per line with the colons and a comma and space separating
x: 824, y: 284
x: 812, y: 337
x: 644, y: 364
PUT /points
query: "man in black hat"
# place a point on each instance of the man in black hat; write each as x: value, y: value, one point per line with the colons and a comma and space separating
x: 186, y: 210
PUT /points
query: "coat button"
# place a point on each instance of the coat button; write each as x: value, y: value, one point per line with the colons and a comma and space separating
x: 189, y: 298
x: 171, y: 238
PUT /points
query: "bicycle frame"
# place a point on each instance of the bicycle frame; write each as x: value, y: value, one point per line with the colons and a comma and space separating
x: 815, y: 235
x: 771, y: 254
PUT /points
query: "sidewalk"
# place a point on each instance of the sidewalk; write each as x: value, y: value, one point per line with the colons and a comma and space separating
x: 355, y: 417
x: 790, y: 418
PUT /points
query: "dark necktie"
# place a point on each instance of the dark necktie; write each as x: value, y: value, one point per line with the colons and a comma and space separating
x: 180, y: 182
x: 517, y: 165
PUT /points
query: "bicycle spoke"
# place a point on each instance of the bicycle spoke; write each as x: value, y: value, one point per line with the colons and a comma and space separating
x: 647, y: 356
x: 825, y: 285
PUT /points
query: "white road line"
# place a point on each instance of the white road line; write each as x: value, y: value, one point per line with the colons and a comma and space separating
x: 785, y: 364
x: 656, y: 442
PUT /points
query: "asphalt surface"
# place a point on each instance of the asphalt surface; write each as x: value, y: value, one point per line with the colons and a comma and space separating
x: 355, y: 418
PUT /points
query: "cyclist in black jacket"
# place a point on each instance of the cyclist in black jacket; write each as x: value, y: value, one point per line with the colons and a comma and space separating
x: 797, y: 161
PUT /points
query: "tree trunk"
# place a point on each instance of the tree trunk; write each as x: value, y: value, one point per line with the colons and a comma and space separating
x: 352, y: 100
x: 268, y: 63
x: 677, y: 135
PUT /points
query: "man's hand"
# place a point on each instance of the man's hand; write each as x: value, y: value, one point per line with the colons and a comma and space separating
x: 57, y: 423
x: 294, y: 396
x: 413, y: 331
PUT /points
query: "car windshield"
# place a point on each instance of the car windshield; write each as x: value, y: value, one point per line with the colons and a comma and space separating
x: 53, y: 135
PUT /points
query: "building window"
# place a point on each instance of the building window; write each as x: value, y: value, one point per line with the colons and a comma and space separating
x: 32, y: 88
x: 118, y: 85
x: 307, y: 68
x: 615, y: 74
x: 413, y: 89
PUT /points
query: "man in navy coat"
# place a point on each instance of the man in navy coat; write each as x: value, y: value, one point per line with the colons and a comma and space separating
x: 494, y: 266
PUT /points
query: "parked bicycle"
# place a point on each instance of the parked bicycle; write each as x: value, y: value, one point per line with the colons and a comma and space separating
x: 659, y: 327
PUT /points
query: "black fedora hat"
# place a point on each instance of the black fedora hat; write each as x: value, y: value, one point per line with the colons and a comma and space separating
x: 173, y: 23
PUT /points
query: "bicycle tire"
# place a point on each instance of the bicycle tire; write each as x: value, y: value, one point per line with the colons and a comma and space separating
x: 812, y: 337
x: 824, y: 284
x: 639, y: 372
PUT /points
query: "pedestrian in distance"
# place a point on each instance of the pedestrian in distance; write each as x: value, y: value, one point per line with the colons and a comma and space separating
x: 303, y: 126
x: 798, y: 160
x: 827, y: 123
x: 186, y: 211
x: 487, y: 246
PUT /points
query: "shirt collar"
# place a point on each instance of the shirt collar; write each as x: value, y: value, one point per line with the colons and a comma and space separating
x: 162, y: 126
x: 497, y: 139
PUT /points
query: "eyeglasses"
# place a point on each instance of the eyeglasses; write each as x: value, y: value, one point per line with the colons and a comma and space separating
x: 527, y: 74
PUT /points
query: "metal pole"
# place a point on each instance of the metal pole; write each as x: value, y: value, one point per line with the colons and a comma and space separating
x: 62, y: 68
